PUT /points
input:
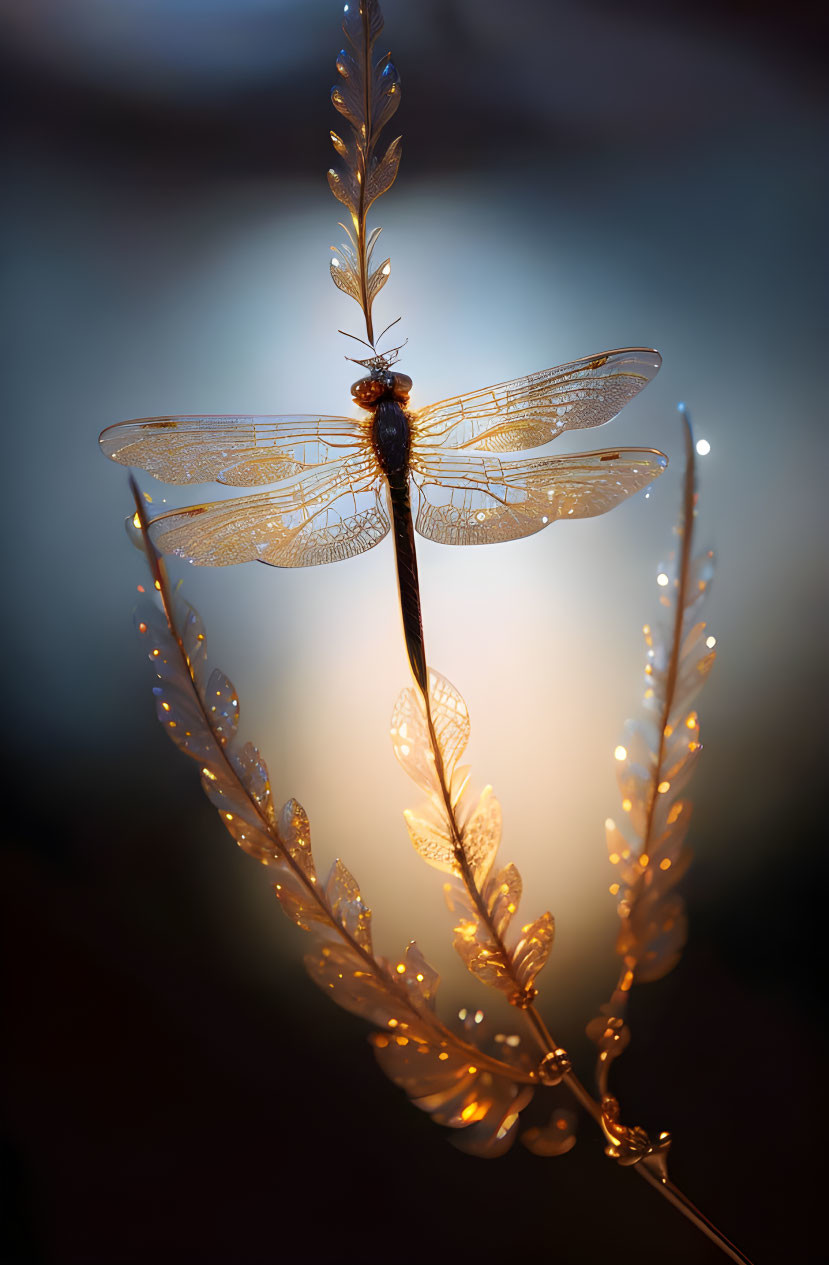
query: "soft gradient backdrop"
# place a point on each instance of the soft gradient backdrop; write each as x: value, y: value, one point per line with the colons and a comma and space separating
x: 576, y: 176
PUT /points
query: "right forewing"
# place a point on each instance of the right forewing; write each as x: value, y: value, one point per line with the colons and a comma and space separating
x: 529, y: 412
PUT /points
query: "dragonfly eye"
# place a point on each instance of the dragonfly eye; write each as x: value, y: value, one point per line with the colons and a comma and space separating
x: 401, y: 386
x: 367, y: 391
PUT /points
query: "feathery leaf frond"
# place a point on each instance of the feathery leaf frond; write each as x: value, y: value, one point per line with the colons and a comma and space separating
x: 657, y: 757
x: 367, y: 96
x: 462, y: 840
x: 442, y: 1071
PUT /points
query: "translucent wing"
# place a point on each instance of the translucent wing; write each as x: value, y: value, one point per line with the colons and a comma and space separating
x: 333, y: 513
x: 241, y: 451
x: 531, y: 411
x: 471, y: 500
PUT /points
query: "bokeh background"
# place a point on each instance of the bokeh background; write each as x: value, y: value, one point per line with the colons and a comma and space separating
x: 576, y: 176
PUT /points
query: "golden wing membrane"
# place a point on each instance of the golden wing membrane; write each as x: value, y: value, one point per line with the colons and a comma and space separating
x: 471, y: 500
x: 333, y: 513
x: 242, y: 451
x: 529, y: 412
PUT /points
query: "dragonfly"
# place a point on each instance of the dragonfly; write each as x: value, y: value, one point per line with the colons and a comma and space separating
x: 446, y: 471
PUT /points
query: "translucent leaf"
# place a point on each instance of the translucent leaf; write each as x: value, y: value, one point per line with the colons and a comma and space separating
x: 341, y: 146
x: 455, y: 1091
x: 556, y: 1138
x: 183, y: 721
x: 347, y: 96
x: 385, y: 92
x: 350, y: 981
x: 346, y: 904
x: 433, y: 842
x: 502, y: 896
x: 482, y: 835
x: 378, y: 278
x: 532, y: 951
x: 410, y: 733
x: 345, y: 279
x: 253, y: 774
x: 223, y: 706
x: 610, y: 1032
x: 295, y: 834
x: 344, y: 188
x: 417, y: 976
x: 700, y: 575
x: 660, y: 929
x: 458, y: 783
x: 383, y: 174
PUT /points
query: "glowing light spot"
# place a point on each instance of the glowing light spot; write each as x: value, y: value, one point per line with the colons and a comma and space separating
x: 386, y: 269
x: 443, y: 1056
x: 509, y: 1121
x: 621, y: 753
x: 480, y: 516
x: 158, y: 585
x: 469, y: 1112
x: 665, y: 864
x: 335, y: 263
x: 136, y: 521
x: 419, y: 979
x: 473, y: 1071
x: 462, y: 1014
x: 626, y: 805
x: 691, y: 722
x: 166, y: 706
x: 627, y: 981
x: 400, y: 968
x: 393, y: 1023
x: 228, y: 816
x: 609, y: 823
x: 644, y: 860
x: 614, y: 889
x: 703, y: 447
x: 404, y: 749
x: 662, y: 579
x: 479, y: 1014
x: 614, y: 858
x: 710, y: 642
x: 663, y: 787
x: 545, y: 519
x: 142, y: 628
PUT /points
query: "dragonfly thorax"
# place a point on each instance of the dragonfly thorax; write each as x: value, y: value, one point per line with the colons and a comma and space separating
x: 391, y: 436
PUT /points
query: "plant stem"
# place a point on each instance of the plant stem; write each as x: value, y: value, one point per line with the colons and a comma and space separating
x: 684, y: 1205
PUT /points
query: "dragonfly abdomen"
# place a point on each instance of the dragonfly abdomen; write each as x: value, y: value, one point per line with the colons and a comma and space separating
x: 391, y: 436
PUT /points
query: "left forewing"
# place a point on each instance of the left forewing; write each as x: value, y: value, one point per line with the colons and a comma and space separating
x: 242, y: 451
x: 471, y: 500
x: 333, y: 513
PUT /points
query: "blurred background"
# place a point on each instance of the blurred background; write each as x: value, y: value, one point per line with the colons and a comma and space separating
x: 576, y: 177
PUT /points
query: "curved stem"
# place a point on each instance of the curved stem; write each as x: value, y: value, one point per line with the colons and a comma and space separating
x: 689, y: 1210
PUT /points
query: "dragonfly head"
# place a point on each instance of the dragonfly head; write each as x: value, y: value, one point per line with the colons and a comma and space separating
x: 381, y: 384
